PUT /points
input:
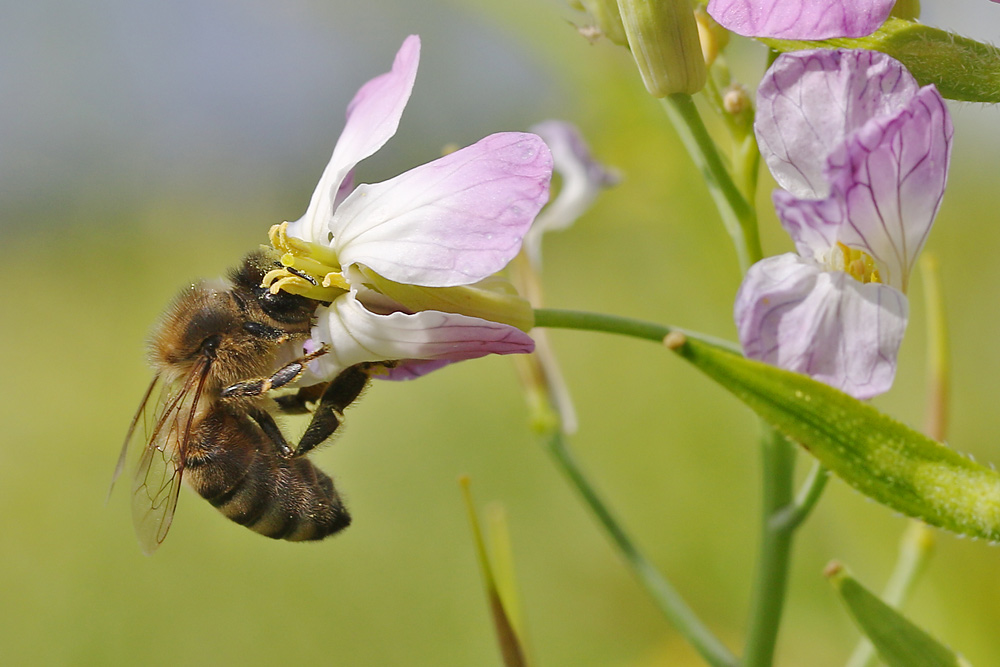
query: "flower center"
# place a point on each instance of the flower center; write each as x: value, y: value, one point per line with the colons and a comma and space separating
x: 310, y: 269
x: 856, y: 263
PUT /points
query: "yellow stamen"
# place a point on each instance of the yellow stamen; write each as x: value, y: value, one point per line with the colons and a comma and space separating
x: 278, y: 235
x: 311, y: 270
x: 859, y: 265
x: 334, y: 279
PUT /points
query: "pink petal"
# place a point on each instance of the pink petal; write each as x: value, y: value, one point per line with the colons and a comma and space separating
x: 801, y: 19
x: 825, y: 324
x: 355, y: 334
x: 809, y: 101
x: 372, y: 118
x: 453, y: 221
x: 891, y: 174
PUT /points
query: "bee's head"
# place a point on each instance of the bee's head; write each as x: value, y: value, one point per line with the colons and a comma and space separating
x: 280, y: 306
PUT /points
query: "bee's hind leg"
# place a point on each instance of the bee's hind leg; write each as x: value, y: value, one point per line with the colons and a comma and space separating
x: 329, y: 413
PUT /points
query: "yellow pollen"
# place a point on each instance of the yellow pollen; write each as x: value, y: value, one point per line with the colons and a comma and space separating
x: 859, y: 265
x: 311, y: 270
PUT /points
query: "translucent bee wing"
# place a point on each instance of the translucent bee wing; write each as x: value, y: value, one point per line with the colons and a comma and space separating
x: 158, y: 473
x: 131, y: 435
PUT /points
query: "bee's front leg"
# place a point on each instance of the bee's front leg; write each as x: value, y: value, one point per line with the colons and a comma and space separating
x: 259, y: 386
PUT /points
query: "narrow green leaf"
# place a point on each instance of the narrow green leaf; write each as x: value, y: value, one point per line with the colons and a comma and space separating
x: 510, y: 645
x: 898, y: 641
x: 885, y: 460
x: 961, y: 68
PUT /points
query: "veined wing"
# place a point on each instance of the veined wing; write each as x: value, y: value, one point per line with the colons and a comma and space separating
x: 158, y: 473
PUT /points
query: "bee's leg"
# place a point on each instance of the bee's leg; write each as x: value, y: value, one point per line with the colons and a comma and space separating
x: 329, y: 414
x: 296, y: 404
x: 287, y: 373
x: 271, y: 430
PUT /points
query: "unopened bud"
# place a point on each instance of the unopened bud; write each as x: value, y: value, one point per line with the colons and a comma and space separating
x: 736, y: 100
x: 606, y: 19
x: 713, y: 36
x: 663, y: 37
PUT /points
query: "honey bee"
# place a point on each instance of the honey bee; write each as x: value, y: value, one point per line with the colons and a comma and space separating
x: 216, y: 358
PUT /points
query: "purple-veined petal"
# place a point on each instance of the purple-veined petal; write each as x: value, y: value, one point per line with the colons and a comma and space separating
x: 372, y: 118
x: 801, y: 19
x: 356, y: 334
x: 812, y: 224
x: 809, y: 101
x: 891, y: 175
x: 792, y: 314
x: 453, y: 221
x: 583, y: 179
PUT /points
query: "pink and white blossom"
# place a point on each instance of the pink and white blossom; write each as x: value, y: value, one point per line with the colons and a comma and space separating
x: 451, y: 223
x: 861, y: 153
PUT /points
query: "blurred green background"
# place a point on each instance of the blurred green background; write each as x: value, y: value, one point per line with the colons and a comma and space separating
x: 143, y: 145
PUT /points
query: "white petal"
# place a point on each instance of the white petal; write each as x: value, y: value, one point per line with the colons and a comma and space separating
x: 355, y: 334
x: 809, y: 101
x: 825, y: 324
x: 453, y: 221
x: 372, y: 118
x: 891, y: 175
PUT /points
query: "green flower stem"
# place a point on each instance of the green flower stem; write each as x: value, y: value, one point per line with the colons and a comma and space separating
x: 792, y: 516
x: 666, y: 597
x: 771, y: 579
x: 555, y: 318
x: 782, y: 515
x: 738, y: 215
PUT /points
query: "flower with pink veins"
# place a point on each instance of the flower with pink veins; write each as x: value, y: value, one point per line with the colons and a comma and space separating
x: 407, y: 265
x: 861, y: 153
x: 801, y: 19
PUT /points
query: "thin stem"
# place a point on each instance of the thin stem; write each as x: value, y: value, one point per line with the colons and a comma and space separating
x: 792, y: 516
x: 624, y: 326
x: 774, y: 556
x: 666, y: 597
x: 738, y: 216
x: 938, y: 366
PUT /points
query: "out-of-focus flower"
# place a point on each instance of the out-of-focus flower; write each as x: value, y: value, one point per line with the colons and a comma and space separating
x: 861, y: 152
x: 607, y: 19
x: 583, y: 179
x: 801, y: 19
x: 407, y: 265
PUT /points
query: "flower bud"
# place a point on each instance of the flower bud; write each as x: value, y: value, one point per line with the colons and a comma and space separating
x: 713, y: 36
x: 663, y: 37
x: 606, y: 19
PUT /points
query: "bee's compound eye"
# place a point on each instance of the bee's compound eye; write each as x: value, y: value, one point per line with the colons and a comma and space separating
x: 211, y: 344
x: 285, y: 307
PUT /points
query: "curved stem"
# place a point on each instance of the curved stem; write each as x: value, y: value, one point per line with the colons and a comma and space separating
x: 782, y: 515
x: 666, y: 597
x: 738, y: 216
x: 792, y: 517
